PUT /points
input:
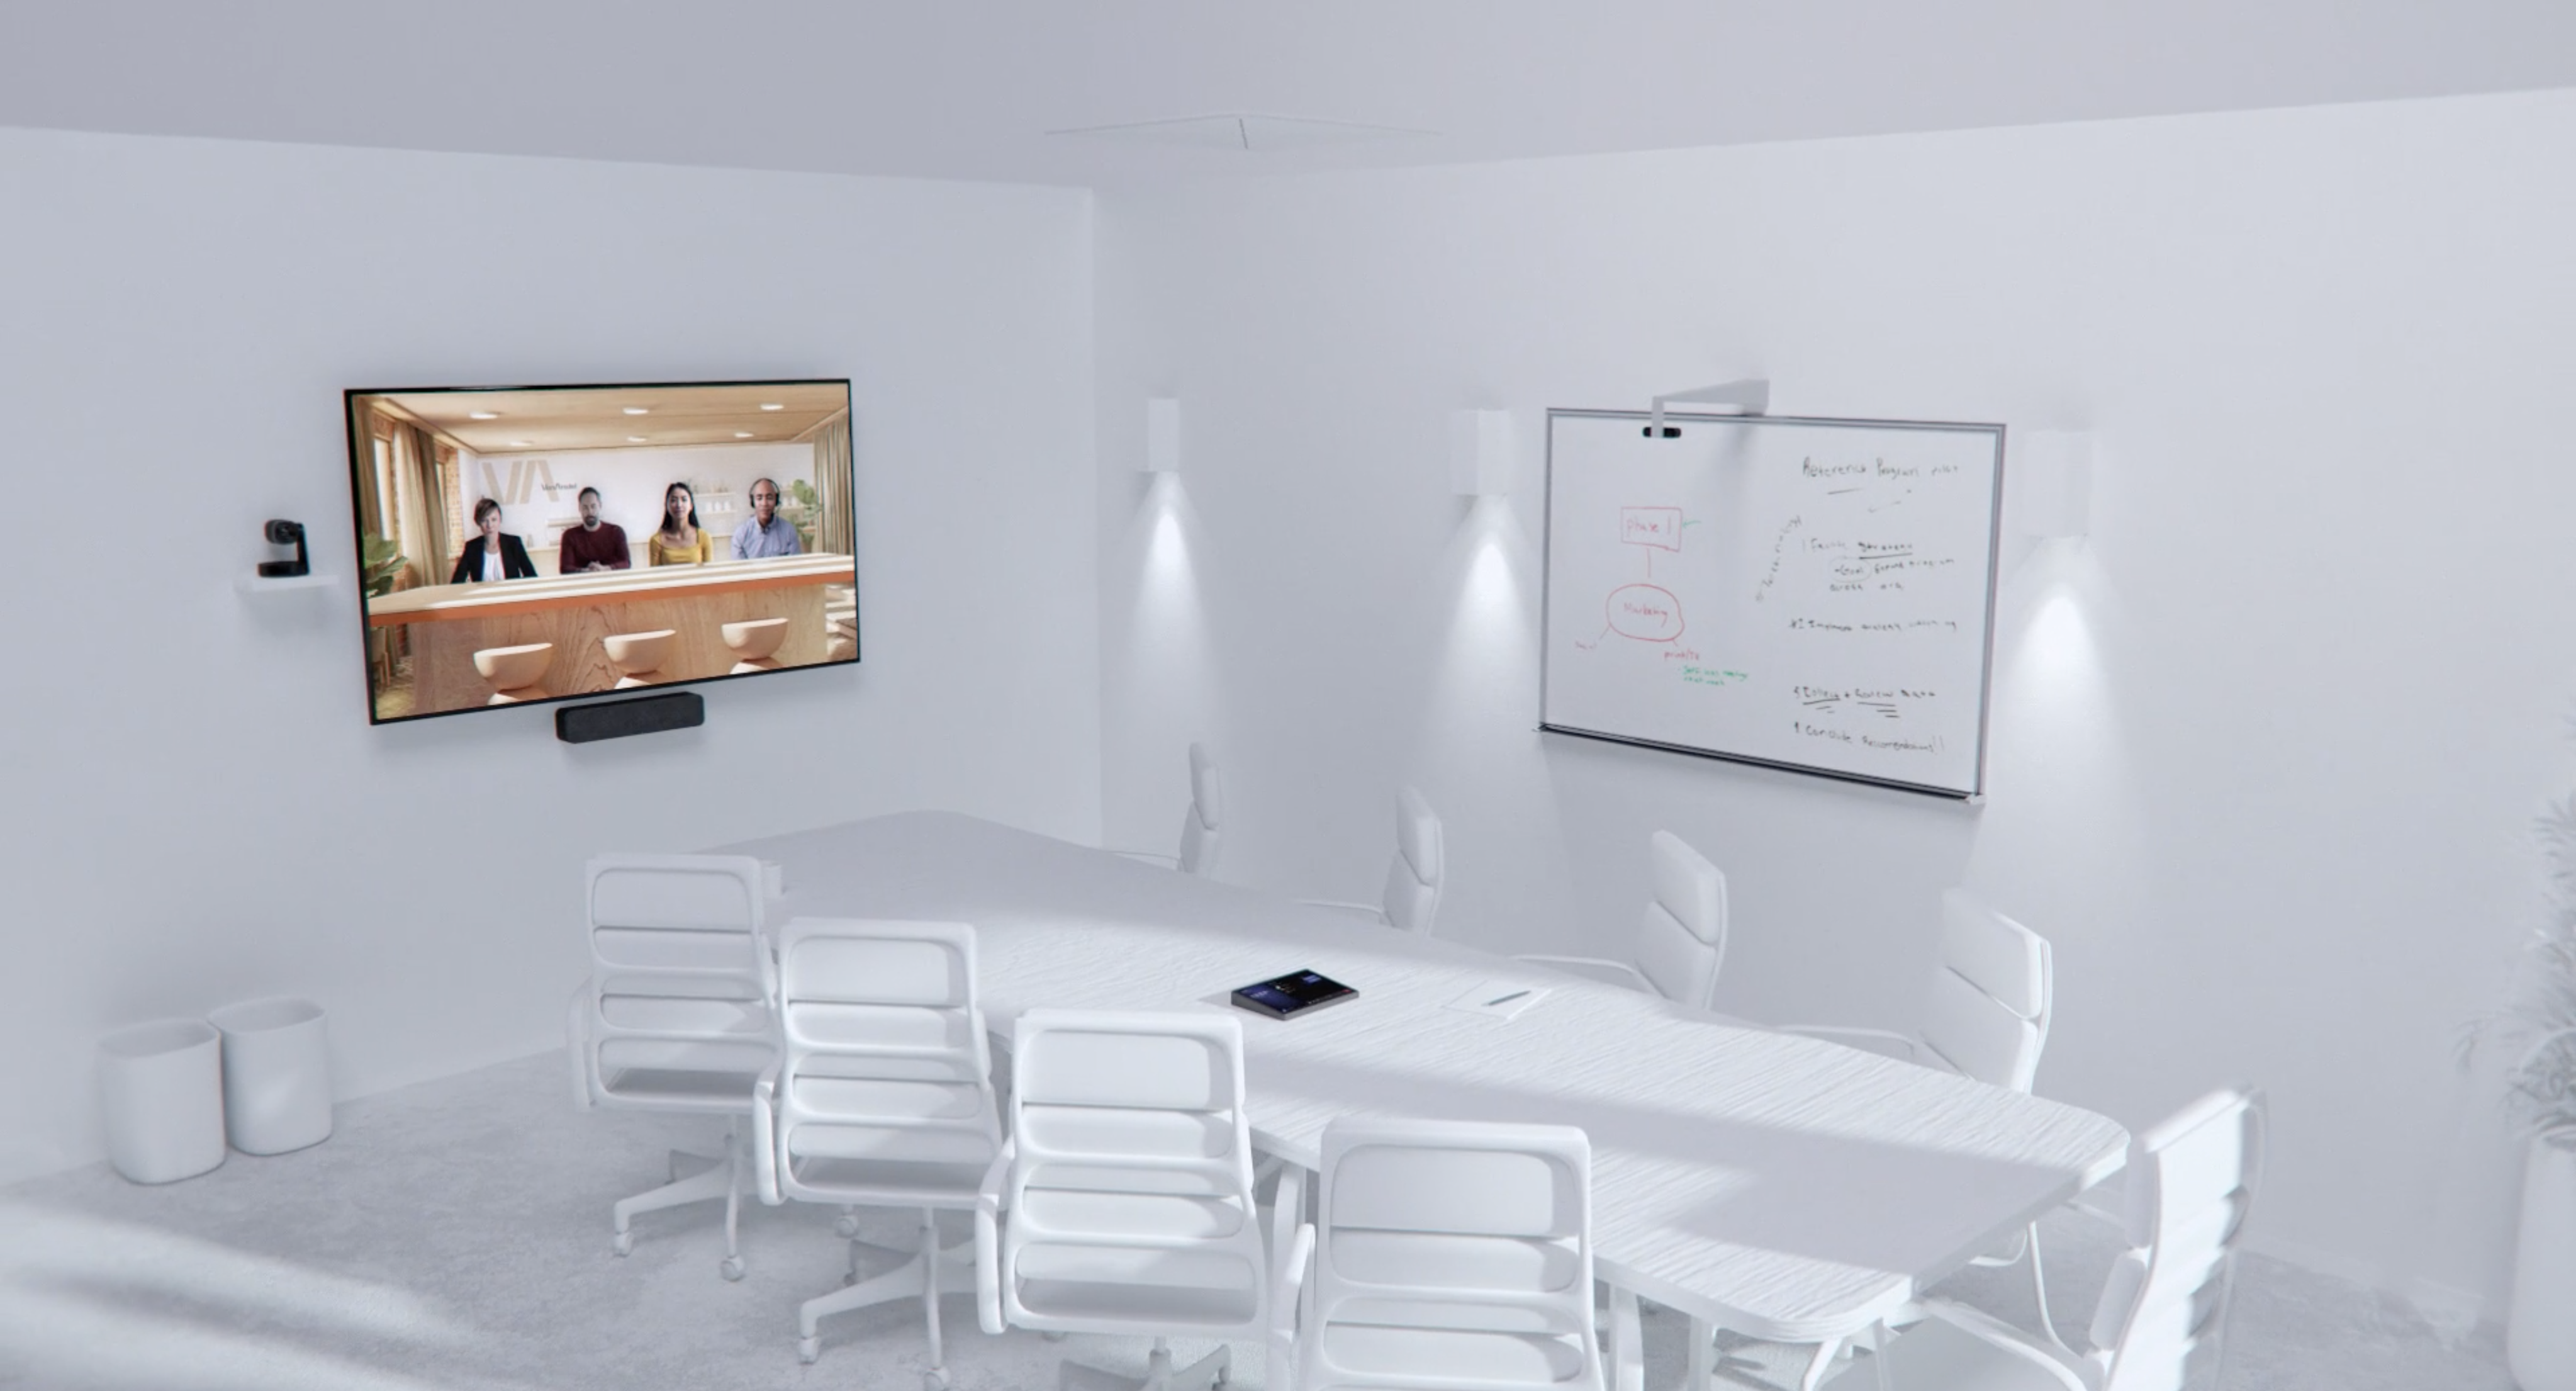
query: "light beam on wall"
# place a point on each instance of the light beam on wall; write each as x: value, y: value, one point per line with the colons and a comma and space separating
x: 1167, y: 556
x: 1159, y: 671
x: 1484, y: 686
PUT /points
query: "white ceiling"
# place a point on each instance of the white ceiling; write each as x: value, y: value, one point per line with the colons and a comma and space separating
x: 969, y: 88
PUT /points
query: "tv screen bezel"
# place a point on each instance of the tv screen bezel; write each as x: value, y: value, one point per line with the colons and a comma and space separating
x: 358, y: 523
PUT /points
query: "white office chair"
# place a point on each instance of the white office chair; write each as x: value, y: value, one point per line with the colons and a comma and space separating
x: 883, y: 1098
x: 1453, y: 1254
x: 2190, y: 1182
x: 1986, y: 1011
x: 675, y: 1016
x: 1985, y: 1015
x: 1682, y: 940
x: 1201, y: 826
x: 1412, y: 898
x: 1124, y: 1204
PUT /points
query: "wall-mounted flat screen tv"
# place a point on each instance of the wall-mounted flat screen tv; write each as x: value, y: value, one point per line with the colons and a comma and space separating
x: 520, y: 544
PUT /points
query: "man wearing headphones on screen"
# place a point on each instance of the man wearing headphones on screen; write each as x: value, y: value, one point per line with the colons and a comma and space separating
x: 764, y: 535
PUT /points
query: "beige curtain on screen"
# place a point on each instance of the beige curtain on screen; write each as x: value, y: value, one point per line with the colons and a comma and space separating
x: 832, y: 487
x: 362, y: 462
x: 424, y: 519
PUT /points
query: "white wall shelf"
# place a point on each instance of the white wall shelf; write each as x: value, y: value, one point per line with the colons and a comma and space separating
x: 262, y: 584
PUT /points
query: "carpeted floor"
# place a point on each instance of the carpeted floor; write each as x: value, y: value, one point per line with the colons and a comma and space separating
x: 456, y: 1235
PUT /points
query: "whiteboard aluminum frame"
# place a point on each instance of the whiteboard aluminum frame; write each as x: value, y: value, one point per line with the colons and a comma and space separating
x: 1994, y: 565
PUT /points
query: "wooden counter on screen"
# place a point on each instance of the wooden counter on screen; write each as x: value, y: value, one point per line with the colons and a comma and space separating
x: 449, y: 623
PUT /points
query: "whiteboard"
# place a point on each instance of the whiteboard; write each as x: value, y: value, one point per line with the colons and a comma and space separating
x: 1807, y: 594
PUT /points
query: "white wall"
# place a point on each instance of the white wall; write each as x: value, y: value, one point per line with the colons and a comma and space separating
x: 2266, y: 747
x: 198, y: 809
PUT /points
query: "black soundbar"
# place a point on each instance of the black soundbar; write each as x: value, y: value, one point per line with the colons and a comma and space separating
x: 615, y: 719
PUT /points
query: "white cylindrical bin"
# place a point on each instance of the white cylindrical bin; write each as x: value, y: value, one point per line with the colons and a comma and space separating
x: 277, y: 1075
x: 161, y: 1094
x: 2539, y: 1343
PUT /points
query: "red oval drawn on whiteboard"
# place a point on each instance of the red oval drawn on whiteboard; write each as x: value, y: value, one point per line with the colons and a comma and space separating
x: 1646, y: 612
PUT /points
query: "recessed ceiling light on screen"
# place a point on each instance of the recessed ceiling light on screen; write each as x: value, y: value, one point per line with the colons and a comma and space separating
x: 602, y: 531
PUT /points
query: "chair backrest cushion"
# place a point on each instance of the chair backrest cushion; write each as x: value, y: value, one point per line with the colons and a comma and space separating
x: 886, y: 1084
x: 1412, y: 898
x: 1410, y: 904
x: 1203, y: 824
x: 679, y: 1015
x: 1682, y: 941
x: 1199, y: 845
x: 1977, y: 1036
x: 1131, y: 1194
x: 1988, y: 1010
x: 1996, y: 954
x: 1207, y: 792
x: 1452, y: 1250
x: 2190, y: 1183
x: 1417, y: 836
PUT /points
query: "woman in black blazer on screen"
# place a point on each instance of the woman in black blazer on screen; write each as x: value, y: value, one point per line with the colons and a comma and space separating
x: 476, y: 563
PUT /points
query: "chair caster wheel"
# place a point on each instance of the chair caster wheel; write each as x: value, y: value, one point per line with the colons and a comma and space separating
x: 624, y: 1244
x: 807, y: 1349
x: 847, y: 1224
x: 936, y: 1379
x: 1055, y: 1335
x: 732, y: 1268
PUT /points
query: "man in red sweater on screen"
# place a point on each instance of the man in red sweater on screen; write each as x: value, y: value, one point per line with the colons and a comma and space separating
x: 594, y: 545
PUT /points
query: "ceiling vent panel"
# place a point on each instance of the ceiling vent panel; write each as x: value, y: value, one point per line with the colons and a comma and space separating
x: 1242, y: 132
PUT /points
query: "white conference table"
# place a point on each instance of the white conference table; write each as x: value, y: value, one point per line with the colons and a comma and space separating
x: 1780, y: 1186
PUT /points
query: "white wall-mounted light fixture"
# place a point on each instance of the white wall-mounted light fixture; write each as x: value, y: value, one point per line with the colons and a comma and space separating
x: 1749, y: 396
x: 1480, y: 453
x: 1162, y: 435
x: 2054, y: 492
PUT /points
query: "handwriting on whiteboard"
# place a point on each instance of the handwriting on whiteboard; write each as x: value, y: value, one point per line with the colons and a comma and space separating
x: 1810, y: 592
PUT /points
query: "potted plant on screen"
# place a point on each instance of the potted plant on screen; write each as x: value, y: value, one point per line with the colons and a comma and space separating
x: 380, y: 561
x: 2538, y: 1032
x: 806, y: 511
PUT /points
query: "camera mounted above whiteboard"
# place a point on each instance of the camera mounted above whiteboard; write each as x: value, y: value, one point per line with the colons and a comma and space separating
x: 1749, y: 396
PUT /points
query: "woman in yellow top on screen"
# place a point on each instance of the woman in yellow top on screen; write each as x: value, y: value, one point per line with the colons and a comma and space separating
x: 680, y: 541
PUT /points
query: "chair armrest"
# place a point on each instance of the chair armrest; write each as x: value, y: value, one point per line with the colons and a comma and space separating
x: 2005, y: 1338
x: 577, y: 1047
x: 990, y: 1198
x: 1606, y: 971
x: 1156, y: 855
x: 1913, y: 1047
x: 1286, y: 1284
x: 1374, y: 910
x: 764, y: 1136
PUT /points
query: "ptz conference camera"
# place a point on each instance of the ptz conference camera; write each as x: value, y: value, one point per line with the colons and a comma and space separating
x: 284, y: 533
